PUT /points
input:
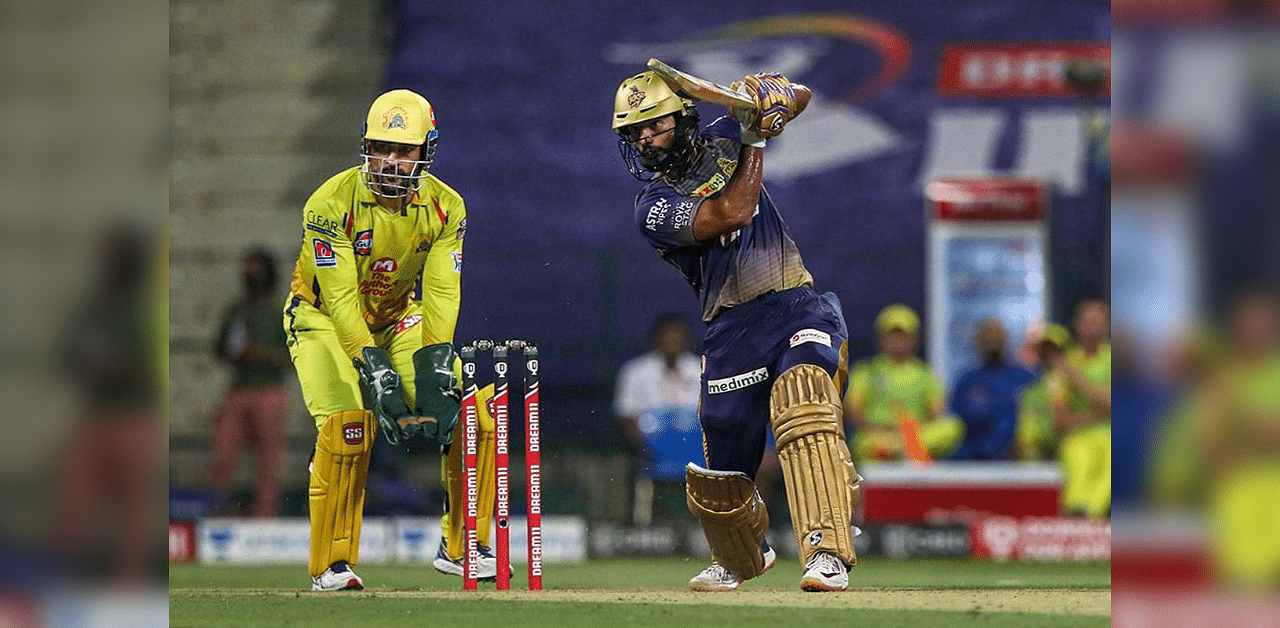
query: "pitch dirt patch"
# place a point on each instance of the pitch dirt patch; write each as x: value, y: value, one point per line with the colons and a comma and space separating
x: 1054, y: 601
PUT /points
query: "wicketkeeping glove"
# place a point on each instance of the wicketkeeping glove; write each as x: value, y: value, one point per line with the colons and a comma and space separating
x: 438, y: 398
x: 382, y: 391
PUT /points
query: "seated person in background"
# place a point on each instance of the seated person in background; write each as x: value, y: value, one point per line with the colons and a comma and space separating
x: 893, y: 388
x: 1085, y: 417
x: 665, y: 382
x: 986, y: 398
x: 1037, y: 439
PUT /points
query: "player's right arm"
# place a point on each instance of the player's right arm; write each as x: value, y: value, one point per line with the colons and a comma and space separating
x: 735, y: 205
x: 328, y: 253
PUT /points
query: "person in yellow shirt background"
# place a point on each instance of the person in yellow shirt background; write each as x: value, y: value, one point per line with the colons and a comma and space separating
x: 1037, y: 437
x: 896, y: 386
x: 1082, y: 412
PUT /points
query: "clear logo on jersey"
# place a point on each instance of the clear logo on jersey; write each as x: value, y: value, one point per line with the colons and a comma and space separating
x: 325, y: 255
x: 406, y: 323
x: 384, y: 265
x: 364, y: 242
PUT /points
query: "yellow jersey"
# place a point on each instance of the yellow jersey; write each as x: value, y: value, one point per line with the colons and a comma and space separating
x: 361, y: 263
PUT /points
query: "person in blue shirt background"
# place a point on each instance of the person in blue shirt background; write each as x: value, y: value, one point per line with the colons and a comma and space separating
x: 986, y: 398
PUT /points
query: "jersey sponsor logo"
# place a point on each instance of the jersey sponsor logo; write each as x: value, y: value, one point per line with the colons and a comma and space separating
x: 364, y: 242
x: 462, y: 229
x: 406, y: 323
x: 384, y: 265
x: 319, y: 222
x: 737, y: 382
x: 656, y: 214
x: 683, y: 214
x: 810, y: 335
x: 353, y: 433
x: 713, y: 185
x: 322, y: 231
x: 325, y: 255
x: 457, y: 261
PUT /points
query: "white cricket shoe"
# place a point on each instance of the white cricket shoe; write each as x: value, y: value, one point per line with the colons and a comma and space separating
x: 825, y: 572
x: 717, y: 578
x: 338, y: 577
x: 486, y: 568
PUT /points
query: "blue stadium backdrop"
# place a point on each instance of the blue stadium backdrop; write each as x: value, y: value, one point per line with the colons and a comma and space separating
x: 523, y: 95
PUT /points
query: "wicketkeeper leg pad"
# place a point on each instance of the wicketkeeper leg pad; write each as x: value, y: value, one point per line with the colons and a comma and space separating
x: 822, y: 486
x: 453, y: 522
x: 338, y: 475
x: 733, y: 517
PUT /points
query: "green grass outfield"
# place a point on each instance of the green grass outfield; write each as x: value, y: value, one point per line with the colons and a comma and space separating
x: 651, y: 592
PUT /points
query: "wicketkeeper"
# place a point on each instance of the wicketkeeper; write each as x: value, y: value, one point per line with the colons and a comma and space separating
x: 775, y: 349
x: 369, y: 356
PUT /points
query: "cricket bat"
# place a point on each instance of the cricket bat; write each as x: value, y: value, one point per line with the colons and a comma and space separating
x: 696, y: 88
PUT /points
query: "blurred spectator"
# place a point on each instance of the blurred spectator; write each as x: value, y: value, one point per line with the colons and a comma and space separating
x: 111, y: 484
x: 894, y: 390
x: 1084, y: 415
x: 1037, y: 436
x: 986, y: 398
x: 656, y: 403
x: 252, y: 341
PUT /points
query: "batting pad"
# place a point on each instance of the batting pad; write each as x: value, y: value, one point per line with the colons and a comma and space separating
x: 338, y: 474
x: 733, y: 517
x: 822, y: 486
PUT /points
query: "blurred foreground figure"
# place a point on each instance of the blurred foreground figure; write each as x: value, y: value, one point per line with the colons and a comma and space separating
x: 111, y: 485
x: 1236, y: 437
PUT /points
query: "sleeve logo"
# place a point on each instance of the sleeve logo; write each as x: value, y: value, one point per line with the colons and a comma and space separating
x: 325, y: 255
x: 364, y: 242
x: 462, y: 229
x: 384, y: 265
x: 656, y: 214
x: 457, y: 261
x: 810, y: 335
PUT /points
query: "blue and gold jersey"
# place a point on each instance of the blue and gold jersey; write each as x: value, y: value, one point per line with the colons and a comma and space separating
x: 360, y: 263
x: 733, y: 268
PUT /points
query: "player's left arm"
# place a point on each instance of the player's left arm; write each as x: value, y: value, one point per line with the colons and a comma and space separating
x: 436, y: 367
x: 442, y: 278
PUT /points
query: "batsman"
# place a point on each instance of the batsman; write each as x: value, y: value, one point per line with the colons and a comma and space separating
x: 370, y: 319
x: 775, y: 351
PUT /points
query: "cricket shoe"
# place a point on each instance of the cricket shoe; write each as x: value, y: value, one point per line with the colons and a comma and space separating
x: 338, y: 577
x: 718, y: 578
x: 486, y: 569
x: 825, y: 572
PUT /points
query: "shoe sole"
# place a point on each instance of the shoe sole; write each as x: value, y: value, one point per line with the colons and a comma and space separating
x: 352, y: 585
x: 818, y: 586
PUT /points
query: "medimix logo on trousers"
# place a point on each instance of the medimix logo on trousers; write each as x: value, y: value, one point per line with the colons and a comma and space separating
x: 730, y: 384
